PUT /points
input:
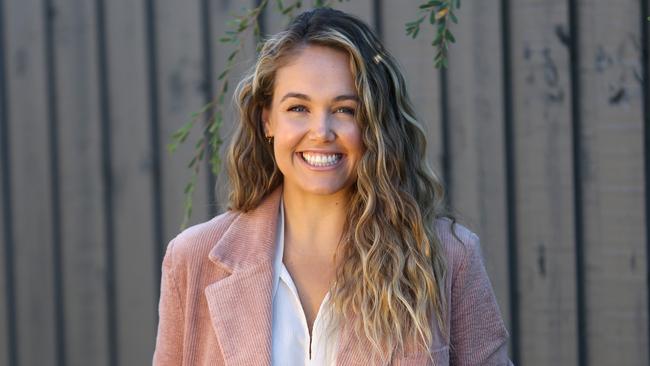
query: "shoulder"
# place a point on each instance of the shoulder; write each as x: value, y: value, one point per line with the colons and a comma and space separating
x: 459, y: 244
x: 196, y: 241
x: 478, y: 335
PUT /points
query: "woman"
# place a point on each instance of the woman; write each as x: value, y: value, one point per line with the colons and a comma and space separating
x: 335, y: 248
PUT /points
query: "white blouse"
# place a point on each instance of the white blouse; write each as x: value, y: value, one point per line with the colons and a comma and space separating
x: 290, y: 338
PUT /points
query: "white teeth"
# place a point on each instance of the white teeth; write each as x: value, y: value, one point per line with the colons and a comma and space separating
x: 321, y: 159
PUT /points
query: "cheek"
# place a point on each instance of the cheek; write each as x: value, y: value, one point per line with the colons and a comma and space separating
x: 354, y: 140
x: 287, y: 138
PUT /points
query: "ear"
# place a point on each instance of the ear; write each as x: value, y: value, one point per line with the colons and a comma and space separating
x: 266, y: 124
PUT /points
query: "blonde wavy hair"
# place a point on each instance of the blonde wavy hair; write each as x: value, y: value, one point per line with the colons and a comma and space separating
x: 390, y: 283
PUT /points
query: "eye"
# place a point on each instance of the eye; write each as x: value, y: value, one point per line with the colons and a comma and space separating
x: 347, y: 110
x: 297, y: 108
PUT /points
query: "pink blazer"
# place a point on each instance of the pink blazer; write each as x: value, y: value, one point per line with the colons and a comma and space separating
x: 215, y: 299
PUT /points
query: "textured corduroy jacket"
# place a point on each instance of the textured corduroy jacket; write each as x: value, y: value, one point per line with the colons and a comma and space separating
x: 216, y: 299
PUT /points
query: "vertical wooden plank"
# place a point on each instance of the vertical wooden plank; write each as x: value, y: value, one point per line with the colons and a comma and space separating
x: 5, y: 241
x: 475, y: 92
x: 31, y: 182
x: 422, y: 78
x: 221, y: 13
x: 544, y: 194
x: 6, y: 234
x: 361, y: 8
x: 645, y: 46
x: 135, y: 266
x: 180, y: 79
x: 208, y: 94
x: 82, y: 211
x: 274, y: 20
x: 612, y: 181
x: 6, y: 245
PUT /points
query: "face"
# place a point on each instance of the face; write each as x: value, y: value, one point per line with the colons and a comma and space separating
x: 317, y: 141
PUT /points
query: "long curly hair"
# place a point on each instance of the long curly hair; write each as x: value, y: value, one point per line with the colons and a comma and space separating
x: 390, y: 281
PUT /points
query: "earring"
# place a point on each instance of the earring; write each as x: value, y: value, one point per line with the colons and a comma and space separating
x: 269, y: 139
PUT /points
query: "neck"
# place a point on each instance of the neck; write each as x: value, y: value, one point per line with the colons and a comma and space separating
x: 314, y: 223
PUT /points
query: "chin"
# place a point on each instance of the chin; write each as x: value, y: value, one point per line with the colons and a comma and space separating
x: 324, y: 191
x: 324, y: 188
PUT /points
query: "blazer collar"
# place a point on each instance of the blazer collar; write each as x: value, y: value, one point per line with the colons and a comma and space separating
x: 241, y: 304
x: 250, y: 239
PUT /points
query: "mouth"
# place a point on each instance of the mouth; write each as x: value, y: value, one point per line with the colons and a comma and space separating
x: 321, y: 159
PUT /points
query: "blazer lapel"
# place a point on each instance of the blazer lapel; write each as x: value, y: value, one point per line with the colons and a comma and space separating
x: 240, y: 304
x: 240, y: 310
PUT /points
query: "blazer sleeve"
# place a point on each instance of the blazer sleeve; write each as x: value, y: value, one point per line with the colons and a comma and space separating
x: 478, y: 335
x: 169, y: 340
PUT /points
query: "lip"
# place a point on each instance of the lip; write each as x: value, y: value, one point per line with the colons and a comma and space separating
x: 320, y: 168
x: 316, y: 151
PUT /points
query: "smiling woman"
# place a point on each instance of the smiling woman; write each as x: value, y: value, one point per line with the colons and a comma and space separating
x: 336, y: 247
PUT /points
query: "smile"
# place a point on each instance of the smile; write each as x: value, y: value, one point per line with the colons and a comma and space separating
x: 320, y: 160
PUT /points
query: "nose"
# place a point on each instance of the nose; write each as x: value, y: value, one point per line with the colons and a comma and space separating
x: 322, y: 128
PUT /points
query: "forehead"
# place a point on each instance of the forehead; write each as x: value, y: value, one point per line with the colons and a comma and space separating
x: 317, y: 71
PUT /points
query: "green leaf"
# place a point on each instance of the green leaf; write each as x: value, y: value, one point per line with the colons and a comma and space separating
x: 450, y: 36
x: 413, y: 28
x: 198, y: 144
x: 189, y: 187
x: 223, y: 74
x: 243, y: 25
x: 191, y: 163
x: 453, y: 17
x: 172, y: 146
x: 288, y: 9
x: 431, y: 4
x: 214, y: 127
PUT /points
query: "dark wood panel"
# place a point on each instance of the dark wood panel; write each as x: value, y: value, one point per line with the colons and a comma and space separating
x: 6, y: 241
x: 5, y: 335
x: 181, y: 93
x: 477, y: 180
x: 31, y: 182
x: 136, y: 264
x: 612, y: 180
x: 5, y: 298
x: 82, y: 211
x: 544, y: 176
x: 416, y: 60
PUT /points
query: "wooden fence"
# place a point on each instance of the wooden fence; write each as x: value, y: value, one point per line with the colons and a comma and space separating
x: 540, y: 127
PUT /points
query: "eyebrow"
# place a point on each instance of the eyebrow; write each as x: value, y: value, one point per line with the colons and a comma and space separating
x: 307, y: 98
